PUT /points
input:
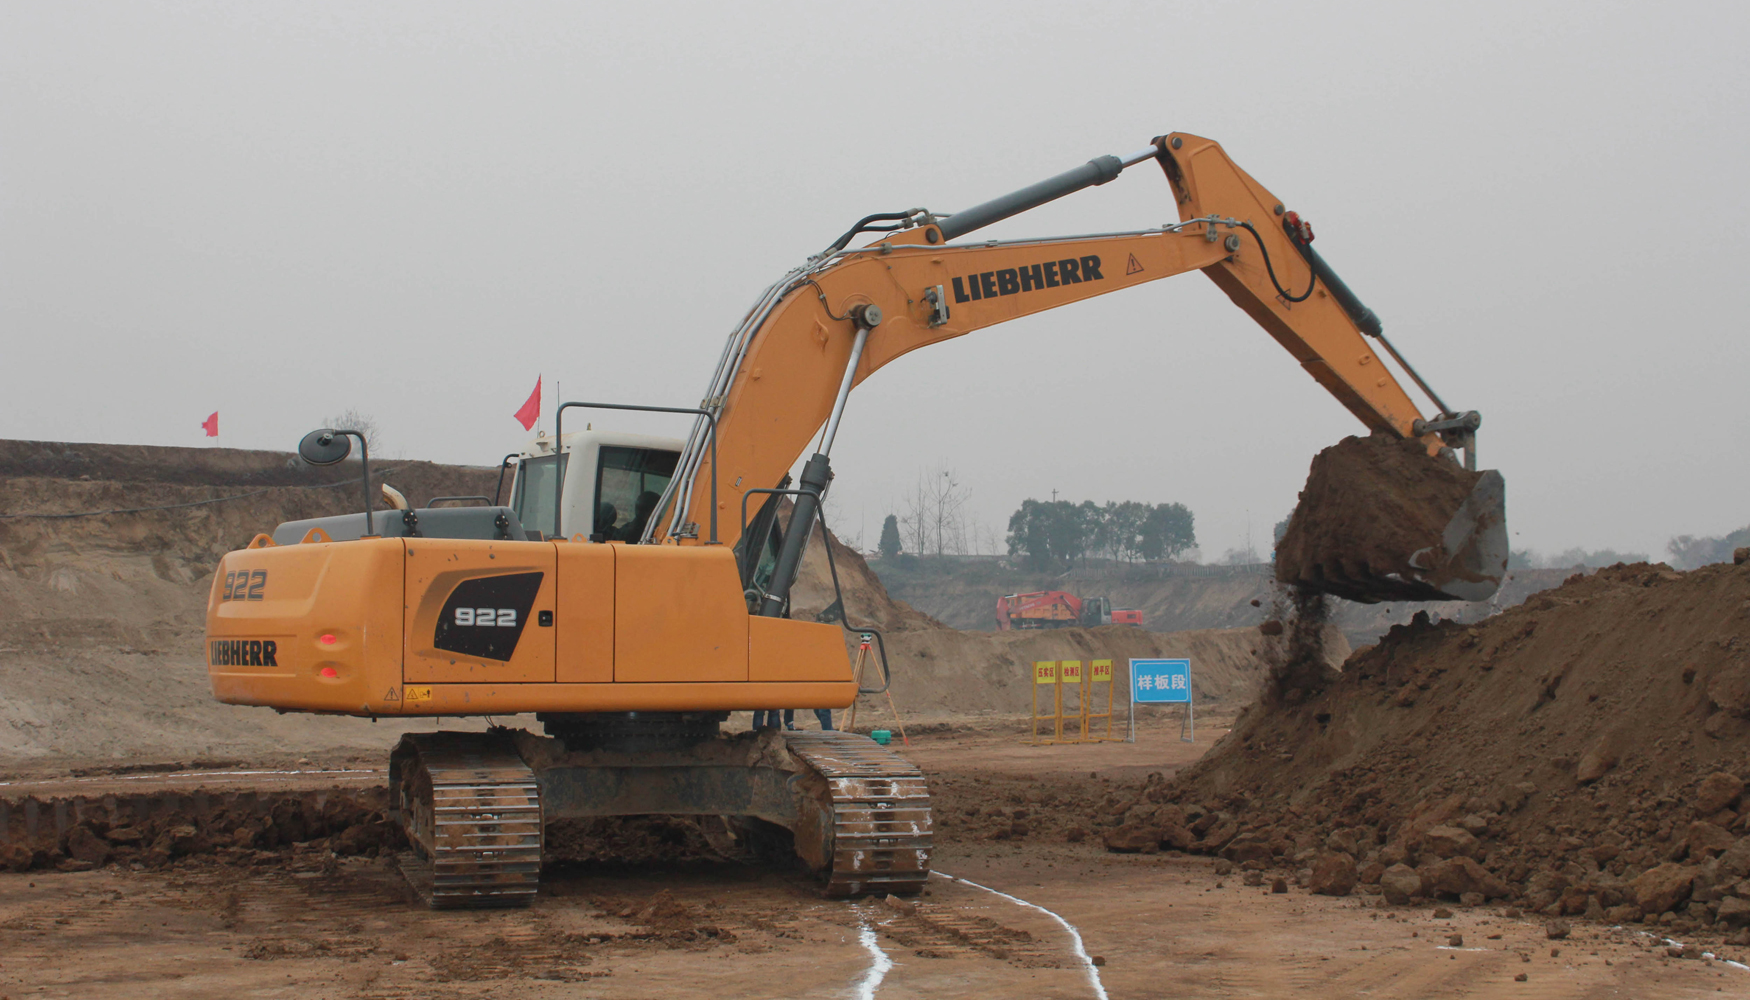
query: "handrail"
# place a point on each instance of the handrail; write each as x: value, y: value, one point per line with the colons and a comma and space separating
x: 559, y: 446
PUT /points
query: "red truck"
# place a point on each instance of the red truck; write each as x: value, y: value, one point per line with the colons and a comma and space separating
x: 1059, y: 609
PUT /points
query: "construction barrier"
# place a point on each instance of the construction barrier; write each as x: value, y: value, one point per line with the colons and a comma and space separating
x: 1060, y: 676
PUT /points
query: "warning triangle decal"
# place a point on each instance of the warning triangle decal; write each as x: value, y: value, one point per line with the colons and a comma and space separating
x: 393, y: 695
x: 1135, y: 265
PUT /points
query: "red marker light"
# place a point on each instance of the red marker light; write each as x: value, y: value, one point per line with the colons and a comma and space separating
x: 327, y: 639
x: 329, y: 672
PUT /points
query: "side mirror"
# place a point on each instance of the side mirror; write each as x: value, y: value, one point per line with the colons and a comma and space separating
x: 329, y: 446
x: 325, y: 447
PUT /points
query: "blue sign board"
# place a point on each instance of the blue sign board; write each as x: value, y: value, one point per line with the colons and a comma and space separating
x: 1160, y: 681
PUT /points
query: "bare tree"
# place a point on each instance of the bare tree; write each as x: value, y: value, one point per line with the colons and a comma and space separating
x: 934, y: 520
x: 352, y: 420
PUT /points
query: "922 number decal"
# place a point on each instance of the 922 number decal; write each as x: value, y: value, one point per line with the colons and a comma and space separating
x: 244, y: 585
x: 486, y: 617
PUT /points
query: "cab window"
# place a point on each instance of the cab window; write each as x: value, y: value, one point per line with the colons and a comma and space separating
x: 534, y: 494
x: 628, y: 484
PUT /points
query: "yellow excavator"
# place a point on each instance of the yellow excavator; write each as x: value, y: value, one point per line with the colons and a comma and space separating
x: 636, y: 590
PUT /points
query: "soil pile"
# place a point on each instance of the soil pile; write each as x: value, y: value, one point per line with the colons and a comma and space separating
x: 154, y: 831
x: 866, y: 601
x: 1582, y: 754
x: 1370, y: 504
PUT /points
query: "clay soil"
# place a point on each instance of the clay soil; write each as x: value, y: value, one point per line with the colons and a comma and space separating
x: 1588, y: 738
x: 1369, y: 503
x: 299, y: 921
x: 1580, y: 756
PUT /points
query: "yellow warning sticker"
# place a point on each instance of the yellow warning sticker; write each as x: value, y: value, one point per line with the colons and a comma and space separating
x: 1045, y: 671
x: 1071, y: 671
x: 1102, y: 671
x: 413, y: 694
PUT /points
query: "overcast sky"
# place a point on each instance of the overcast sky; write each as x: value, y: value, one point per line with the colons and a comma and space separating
x: 281, y: 211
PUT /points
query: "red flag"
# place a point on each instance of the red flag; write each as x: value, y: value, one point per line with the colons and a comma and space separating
x: 526, y: 416
x: 211, y: 425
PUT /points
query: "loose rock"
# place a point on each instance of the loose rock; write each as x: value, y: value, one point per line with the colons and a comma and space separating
x: 1398, y: 883
x: 1660, y: 889
x: 1333, y: 874
x: 1450, y: 841
x: 1716, y: 792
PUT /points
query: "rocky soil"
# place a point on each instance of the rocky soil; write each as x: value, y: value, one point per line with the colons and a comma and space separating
x: 1580, y: 756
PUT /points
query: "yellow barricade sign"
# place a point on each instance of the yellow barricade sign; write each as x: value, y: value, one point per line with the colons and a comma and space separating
x: 1081, y: 679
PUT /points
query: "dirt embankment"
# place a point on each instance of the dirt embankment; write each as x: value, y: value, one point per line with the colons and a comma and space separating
x: 1581, y: 754
x: 100, y: 642
x: 100, y: 655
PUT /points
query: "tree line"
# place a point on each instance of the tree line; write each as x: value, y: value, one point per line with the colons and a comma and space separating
x: 1053, y: 534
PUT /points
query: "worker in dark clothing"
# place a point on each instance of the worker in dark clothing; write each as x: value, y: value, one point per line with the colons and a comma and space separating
x: 823, y: 714
x: 641, y: 512
x: 763, y: 718
x: 604, y: 521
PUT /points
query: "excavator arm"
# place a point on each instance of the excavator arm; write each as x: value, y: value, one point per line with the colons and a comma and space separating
x: 834, y: 322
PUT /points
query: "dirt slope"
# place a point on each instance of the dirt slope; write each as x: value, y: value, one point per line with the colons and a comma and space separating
x: 100, y: 643
x: 100, y: 651
x: 1583, y: 751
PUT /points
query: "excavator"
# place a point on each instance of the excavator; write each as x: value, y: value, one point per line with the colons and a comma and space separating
x: 635, y: 590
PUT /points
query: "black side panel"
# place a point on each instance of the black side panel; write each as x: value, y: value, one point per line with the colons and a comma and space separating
x: 485, y: 617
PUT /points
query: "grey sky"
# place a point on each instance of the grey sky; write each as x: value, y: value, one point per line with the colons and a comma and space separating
x: 280, y: 211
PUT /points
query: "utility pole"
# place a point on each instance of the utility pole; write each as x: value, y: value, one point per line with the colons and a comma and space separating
x: 1053, y: 496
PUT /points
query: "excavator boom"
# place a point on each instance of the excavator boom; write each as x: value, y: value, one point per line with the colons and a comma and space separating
x: 788, y: 367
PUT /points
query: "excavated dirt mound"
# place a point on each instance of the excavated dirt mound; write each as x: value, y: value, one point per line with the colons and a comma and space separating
x: 1369, y: 504
x: 1581, y: 754
x: 78, y: 833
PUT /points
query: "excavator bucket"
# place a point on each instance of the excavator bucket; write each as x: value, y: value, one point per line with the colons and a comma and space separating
x: 1382, y: 520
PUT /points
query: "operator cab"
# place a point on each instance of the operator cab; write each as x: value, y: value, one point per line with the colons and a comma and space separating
x: 611, y: 484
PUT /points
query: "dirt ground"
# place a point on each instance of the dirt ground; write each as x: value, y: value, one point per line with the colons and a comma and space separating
x: 154, y: 843
x: 301, y: 923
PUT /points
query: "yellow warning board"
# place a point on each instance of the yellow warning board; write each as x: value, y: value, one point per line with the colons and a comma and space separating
x: 1102, y: 671
x: 1045, y: 671
x: 1070, y: 671
x: 413, y: 694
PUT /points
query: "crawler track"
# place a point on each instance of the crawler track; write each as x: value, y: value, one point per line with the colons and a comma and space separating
x: 882, y: 829
x: 472, y: 811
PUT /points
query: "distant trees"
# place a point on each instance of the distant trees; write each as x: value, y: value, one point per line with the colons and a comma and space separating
x: 1053, y: 534
x: 1690, y: 552
x: 1166, y: 532
x: 889, y: 544
x: 1570, y: 558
